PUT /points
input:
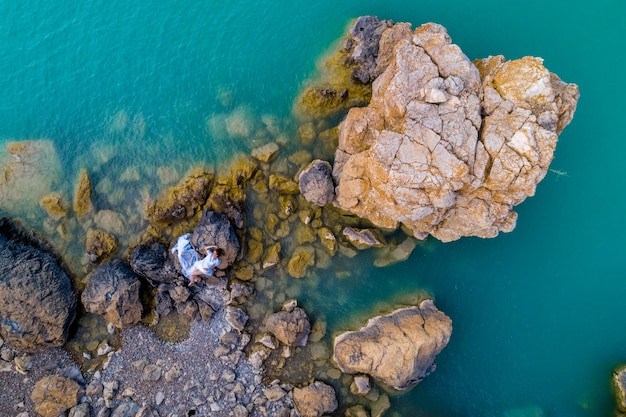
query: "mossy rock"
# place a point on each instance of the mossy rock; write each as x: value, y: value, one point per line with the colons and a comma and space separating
x: 304, y: 234
x: 618, y: 382
x: 183, y: 200
x: 329, y: 242
x: 283, y: 185
x: 302, y: 258
x: 99, y: 245
x: 272, y: 256
x: 82, y: 195
x: 54, y: 205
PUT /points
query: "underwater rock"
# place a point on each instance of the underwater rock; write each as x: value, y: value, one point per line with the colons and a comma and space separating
x: 31, y: 165
x: 99, y: 245
x: 398, y: 349
x: 181, y: 201
x: 324, y: 102
x: 315, y: 399
x: 302, y: 258
x: 362, y: 238
x: 113, y: 292
x: 316, y: 183
x: 151, y: 261
x: 82, y: 194
x: 272, y: 256
x: 215, y: 229
x: 618, y: 382
x: 266, y: 152
x: 54, y: 205
x: 37, y: 304
x: 110, y: 221
x: 291, y: 328
x: 448, y: 147
x: 55, y: 394
x: 283, y: 185
x: 391, y: 255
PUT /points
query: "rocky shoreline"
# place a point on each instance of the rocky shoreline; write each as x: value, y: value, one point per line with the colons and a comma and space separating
x: 402, y: 137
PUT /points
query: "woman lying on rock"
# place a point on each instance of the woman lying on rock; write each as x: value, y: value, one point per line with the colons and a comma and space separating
x: 194, y: 268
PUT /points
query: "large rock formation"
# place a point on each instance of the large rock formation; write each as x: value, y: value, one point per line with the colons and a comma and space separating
x: 113, y: 291
x: 215, y: 229
x: 448, y: 147
x: 37, y: 304
x: 398, y: 349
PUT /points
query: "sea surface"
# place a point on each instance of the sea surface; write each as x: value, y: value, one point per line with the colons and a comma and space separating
x: 538, y: 314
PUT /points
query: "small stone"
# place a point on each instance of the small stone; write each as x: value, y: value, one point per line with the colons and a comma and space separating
x: 94, y: 389
x: 174, y: 372
x: 272, y: 256
x: 151, y: 373
x: 318, y: 331
x: 360, y: 385
x: 274, y: 393
x: 240, y: 411
x: 289, y: 305
x: 128, y: 392
x: 81, y: 410
x: 103, y: 349
x: 23, y: 364
x: 158, y: 399
x: 140, y: 364
x: 333, y: 373
x: 110, y: 388
x: 7, y: 355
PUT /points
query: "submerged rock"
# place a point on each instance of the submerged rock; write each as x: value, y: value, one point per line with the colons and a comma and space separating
x: 113, y: 292
x: 99, y: 245
x: 290, y: 327
x: 315, y: 400
x: 398, y: 349
x: 82, y: 194
x: 53, y: 395
x: 362, y: 238
x: 54, y: 205
x: 28, y: 171
x: 37, y: 304
x: 316, y: 183
x: 448, y: 147
x: 183, y: 200
x: 302, y: 258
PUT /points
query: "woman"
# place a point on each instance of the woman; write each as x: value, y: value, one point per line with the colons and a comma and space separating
x: 194, y: 268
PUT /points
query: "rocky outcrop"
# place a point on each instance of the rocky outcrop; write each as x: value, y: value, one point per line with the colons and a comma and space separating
x: 113, y: 291
x: 215, y: 229
x: 315, y: 400
x: 448, y: 147
x: 398, y: 349
x: 290, y: 327
x: 37, y: 304
x: 53, y: 395
x: 362, y: 46
x: 181, y: 201
x: 316, y: 183
x: 151, y: 261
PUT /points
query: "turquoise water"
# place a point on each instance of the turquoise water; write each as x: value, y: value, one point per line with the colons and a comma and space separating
x: 538, y: 313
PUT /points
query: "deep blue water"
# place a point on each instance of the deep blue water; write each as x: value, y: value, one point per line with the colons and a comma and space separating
x: 538, y: 313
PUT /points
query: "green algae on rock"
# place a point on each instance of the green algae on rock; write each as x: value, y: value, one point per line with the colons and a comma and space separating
x: 82, y: 195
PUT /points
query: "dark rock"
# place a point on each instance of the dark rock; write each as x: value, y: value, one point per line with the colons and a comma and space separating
x: 152, y: 262
x: 214, y: 229
x: 361, y: 47
x: 164, y: 303
x: 316, y: 183
x: 113, y: 291
x: 37, y: 304
x: 291, y: 328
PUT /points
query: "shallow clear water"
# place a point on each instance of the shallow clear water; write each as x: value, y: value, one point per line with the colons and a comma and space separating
x: 537, y: 313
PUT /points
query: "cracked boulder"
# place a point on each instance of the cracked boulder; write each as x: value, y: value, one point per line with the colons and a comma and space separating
x: 398, y: 349
x: 446, y: 146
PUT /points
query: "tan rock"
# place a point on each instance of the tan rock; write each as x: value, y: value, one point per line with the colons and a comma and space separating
x: 302, y: 258
x: 447, y: 147
x: 398, y: 349
x: 99, y: 245
x: 110, y: 221
x: 54, y: 205
x: 183, y: 200
x: 82, y: 194
x: 315, y: 400
x: 272, y: 256
x: 291, y: 328
x: 266, y: 152
x: 363, y: 238
x: 55, y: 394
x: 283, y: 185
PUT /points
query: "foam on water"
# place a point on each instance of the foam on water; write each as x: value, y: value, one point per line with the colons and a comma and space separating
x: 138, y: 93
